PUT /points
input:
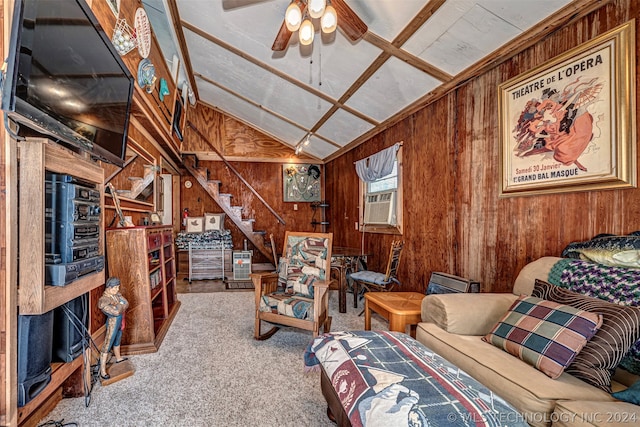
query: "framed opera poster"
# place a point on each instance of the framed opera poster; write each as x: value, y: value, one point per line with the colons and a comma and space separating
x: 569, y: 124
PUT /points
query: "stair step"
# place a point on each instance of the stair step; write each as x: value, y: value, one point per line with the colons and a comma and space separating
x: 134, y: 178
x: 237, y: 211
x: 225, y: 199
x: 248, y: 223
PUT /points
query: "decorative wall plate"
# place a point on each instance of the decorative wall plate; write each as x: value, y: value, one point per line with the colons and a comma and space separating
x: 146, y: 75
x: 143, y: 32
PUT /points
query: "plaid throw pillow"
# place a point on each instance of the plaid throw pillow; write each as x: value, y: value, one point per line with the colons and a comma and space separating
x: 544, y: 334
x: 619, y: 331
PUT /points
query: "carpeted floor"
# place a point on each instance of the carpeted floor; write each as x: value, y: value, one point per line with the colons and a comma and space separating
x: 210, y: 371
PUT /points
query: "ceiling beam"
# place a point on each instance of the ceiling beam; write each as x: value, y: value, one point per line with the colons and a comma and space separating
x: 404, y: 56
x: 182, y: 44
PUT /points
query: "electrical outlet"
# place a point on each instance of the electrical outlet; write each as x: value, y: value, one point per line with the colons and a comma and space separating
x: 356, y: 225
x: 295, y: 206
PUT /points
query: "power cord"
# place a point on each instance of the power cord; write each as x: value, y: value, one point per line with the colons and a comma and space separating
x: 61, y: 423
x: 80, y: 326
x: 10, y: 131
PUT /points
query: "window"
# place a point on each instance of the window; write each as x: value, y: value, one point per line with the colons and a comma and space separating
x: 389, y: 182
x: 381, y: 202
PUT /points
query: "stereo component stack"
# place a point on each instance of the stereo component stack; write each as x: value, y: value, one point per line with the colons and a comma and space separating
x: 72, y: 229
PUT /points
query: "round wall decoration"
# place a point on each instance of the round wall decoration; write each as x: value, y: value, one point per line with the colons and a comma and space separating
x: 146, y: 75
x: 143, y: 32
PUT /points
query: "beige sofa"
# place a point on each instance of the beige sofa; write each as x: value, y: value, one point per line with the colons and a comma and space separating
x: 453, y: 325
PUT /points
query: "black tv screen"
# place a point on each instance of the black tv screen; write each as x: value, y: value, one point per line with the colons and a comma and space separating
x: 65, y: 79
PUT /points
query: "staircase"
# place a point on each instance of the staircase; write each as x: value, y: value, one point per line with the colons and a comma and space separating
x: 141, y: 188
x: 234, y: 213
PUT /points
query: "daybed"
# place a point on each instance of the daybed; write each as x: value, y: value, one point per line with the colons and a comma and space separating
x: 454, y: 326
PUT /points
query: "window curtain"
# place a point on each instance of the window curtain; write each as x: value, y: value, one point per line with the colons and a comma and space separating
x: 377, y: 165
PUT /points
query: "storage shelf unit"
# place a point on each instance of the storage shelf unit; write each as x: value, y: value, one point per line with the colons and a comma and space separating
x: 207, y: 262
x: 143, y: 259
x: 36, y: 156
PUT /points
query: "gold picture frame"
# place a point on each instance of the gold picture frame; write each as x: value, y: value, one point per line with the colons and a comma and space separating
x: 569, y: 124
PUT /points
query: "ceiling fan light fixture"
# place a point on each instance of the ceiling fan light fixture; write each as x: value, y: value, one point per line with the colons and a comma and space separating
x: 329, y: 20
x: 293, y: 17
x: 306, y: 32
x: 316, y: 8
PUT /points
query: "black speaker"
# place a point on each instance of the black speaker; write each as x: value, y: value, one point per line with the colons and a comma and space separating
x: 35, y: 336
x: 69, y: 326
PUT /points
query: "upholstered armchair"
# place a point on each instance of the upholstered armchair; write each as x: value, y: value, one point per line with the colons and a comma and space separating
x: 297, y: 294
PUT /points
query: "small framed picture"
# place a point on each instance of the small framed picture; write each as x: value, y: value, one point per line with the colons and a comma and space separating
x: 195, y: 224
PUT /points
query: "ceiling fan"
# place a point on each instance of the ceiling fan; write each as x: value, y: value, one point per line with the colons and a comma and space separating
x: 304, y: 10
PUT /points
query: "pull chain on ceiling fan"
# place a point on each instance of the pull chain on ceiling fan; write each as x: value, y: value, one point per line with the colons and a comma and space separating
x: 299, y: 15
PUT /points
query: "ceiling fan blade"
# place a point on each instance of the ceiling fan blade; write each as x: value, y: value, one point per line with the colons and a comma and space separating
x: 350, y: 24
x: 284, y: 35
x: 282, y: 39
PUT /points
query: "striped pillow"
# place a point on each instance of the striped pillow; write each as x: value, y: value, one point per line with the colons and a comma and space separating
x: 620, y: 330
x: 544, y: 334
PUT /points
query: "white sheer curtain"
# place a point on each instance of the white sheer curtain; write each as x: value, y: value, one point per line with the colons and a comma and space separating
x: 377, y: 165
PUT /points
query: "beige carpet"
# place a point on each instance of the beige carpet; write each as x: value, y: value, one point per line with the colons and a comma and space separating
x: 210, y: 371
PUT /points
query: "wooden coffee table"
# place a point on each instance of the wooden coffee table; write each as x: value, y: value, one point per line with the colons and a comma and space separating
x: 399, y: 308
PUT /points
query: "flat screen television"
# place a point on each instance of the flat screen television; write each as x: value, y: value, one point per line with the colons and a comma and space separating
x: 64, y: 78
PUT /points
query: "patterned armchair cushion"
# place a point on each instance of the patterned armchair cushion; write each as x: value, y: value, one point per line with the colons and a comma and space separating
x: 304, y: 263
x: 286, y: 304
x: 307, y: 264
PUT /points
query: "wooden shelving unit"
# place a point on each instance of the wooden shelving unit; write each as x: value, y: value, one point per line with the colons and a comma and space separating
x: 36, y: 156
x: 143, y: 258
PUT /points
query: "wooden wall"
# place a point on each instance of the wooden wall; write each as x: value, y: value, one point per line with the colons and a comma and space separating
x: 453, y: 219
x: 233, y: 139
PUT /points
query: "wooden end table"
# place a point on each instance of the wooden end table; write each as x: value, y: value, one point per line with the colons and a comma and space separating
x: 399, y: 308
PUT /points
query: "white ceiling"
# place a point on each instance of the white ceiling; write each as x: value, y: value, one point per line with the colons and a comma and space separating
x: 335, y: 89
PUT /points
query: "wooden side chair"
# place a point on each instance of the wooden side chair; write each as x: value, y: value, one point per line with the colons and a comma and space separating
x: 297, y: 294
x: 376, y: 281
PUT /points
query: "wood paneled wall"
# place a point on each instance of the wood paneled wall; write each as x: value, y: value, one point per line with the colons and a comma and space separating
x: 454, y: 220
x: 234, y: 139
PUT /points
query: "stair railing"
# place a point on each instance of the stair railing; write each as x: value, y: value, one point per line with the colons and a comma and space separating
x: 240, y: 177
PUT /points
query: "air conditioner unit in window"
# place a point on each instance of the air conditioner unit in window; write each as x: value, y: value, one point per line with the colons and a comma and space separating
x: 380, y: 208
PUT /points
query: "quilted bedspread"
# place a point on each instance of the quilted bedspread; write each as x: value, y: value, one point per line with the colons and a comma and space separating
x: 390, y: 379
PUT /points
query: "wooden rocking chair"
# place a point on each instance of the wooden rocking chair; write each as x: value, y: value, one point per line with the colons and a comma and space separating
x: 297, y: 294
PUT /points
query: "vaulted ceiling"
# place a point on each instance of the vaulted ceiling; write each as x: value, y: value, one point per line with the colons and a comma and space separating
x: 338, y: 91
